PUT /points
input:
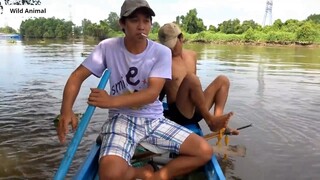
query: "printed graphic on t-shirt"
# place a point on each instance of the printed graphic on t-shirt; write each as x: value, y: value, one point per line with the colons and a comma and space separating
x: 129, y: 84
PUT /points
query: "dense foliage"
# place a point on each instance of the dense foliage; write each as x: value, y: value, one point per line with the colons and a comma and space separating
x: 191, y: 23
x: 314, y: 17
x: 288, y: 32
x: 47, y: 28
x: 8, y: 30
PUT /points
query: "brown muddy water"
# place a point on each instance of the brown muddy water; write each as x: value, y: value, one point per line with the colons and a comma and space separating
x: 275, y: 88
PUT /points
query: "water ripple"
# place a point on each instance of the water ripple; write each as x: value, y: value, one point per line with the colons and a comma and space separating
x: 275, y: 89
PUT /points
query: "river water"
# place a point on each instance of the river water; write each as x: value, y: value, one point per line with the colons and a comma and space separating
x: 277, y: 89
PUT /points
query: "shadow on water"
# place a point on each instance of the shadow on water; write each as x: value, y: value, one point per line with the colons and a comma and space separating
x: 275, y: 88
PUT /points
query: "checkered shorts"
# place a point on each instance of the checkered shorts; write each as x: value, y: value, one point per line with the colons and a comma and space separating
x: 122, y: 133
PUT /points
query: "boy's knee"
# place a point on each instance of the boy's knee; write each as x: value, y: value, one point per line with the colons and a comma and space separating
x: 112, y: 167
x: 207, y: 152
x: 115, y: 174
x: 224, y: 80
x: 192, y: 79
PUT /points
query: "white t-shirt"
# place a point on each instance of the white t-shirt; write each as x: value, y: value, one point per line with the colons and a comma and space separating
x: 130, y: 72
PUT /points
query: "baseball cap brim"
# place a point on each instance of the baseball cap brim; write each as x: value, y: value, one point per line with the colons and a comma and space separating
x: 132, y: 10
x: 171, y: 43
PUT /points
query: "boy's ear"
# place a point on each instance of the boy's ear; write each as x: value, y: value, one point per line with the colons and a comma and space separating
x: 121, y: 23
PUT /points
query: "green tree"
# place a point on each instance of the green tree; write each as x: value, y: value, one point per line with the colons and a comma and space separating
x: 247, y: 25
x: 49, y: 27
x: 191, y: 23
x: 306, y: 33
x: 291, y: 25
x: 77, y: 31
x: 113, y: 21
x: 98, y: 31
x: 46, y: 28
x: 230, y: 27
x: 178, y: 20
x: 277, y: 25
x: 249, y: 35
x: 314, y: 17
x: 86, y: 24
x: 8, y: 30
x: 155, y: 27
x: 213, y: 28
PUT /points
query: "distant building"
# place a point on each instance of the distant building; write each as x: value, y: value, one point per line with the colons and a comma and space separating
x: 10, y: 36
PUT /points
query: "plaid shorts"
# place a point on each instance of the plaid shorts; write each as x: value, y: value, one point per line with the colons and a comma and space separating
x: 122, y: 133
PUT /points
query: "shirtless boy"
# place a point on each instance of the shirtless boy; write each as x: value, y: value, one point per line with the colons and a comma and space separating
x: 187, y: 102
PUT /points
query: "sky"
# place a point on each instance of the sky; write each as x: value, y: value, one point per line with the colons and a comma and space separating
x: 212, y: 12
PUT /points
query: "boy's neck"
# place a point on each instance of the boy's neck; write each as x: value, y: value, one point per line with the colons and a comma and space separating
x: 177, y: 53
x: 135, y: 47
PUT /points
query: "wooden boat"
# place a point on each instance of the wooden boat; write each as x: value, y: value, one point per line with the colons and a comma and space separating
x: 89, y: 168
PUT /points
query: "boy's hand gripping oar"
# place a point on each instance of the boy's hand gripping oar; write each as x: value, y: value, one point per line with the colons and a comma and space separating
x: 73, y: 146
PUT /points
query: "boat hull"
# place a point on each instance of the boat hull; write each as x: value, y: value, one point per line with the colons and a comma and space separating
x: 89, y: 168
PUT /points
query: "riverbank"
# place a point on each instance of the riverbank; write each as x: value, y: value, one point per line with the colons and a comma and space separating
x: 221, y: 41
x: 234, y: 39
x: 280, y: 44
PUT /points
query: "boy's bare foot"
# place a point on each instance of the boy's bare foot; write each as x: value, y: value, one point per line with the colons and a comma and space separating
x: 149, y: 170
x: 218, y: 122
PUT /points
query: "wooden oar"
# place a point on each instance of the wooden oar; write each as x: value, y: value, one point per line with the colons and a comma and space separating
x: 73, y: 146
x: 236, y: 150
x: 226, y: 132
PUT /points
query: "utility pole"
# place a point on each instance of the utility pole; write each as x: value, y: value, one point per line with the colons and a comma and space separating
x: 70, y: 17
x: 268, y: 13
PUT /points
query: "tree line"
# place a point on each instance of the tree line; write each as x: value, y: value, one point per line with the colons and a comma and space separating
x: 290, y: 31
x: 47, y: 28
x: 7, y: 30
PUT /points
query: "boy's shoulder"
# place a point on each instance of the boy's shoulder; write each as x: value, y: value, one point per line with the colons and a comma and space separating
x: 160, y: 46
x: 189, y: 53
x: 111, y: 41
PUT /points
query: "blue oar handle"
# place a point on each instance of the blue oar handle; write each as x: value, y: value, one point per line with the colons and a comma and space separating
x: 73, y: 146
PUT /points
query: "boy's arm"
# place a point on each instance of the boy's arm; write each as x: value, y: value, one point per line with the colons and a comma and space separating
x: 70, y: 94
x: 162, y: 94
x: 102, y: 99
